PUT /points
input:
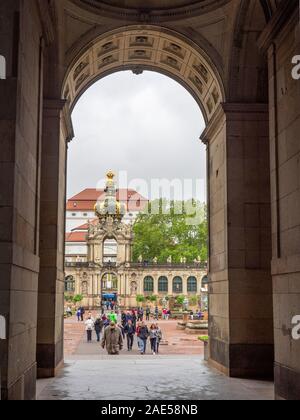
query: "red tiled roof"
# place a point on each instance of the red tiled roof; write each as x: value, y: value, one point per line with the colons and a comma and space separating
x: 86, y: 200
x: 76, y: 237
x: 85, y: 226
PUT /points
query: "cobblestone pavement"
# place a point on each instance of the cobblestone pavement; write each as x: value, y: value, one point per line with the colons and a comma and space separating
x: 90, y: 374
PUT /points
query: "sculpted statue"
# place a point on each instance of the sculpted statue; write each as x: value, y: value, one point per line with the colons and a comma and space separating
x: 155, y: 260
x: 140, y: 259
x: 133, y: 288
x: 169, y: 260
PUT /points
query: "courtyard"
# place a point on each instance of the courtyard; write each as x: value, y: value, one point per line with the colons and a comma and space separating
x: 178, y: 373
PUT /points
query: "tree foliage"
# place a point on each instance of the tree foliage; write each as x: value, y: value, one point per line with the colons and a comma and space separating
x: 168, y: 228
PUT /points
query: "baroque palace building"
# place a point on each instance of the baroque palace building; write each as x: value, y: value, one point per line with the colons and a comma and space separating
x: 99, y: 262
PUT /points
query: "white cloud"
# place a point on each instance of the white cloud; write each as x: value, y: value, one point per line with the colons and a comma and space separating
x: 148, y: 125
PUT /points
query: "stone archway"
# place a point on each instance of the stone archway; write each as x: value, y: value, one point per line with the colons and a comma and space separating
x: 36, y: 126
x: 236, y: 197
x: 147, y: 48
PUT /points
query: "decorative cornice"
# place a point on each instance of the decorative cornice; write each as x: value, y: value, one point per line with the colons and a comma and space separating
x: 150, y: 14
x: 227, y: 112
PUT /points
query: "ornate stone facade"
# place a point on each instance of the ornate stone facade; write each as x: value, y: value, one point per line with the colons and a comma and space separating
x: 108, y: 271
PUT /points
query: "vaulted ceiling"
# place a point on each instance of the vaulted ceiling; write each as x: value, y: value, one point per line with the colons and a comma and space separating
x: 174, y: 8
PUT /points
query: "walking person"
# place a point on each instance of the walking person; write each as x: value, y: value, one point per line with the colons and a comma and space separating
x: 168, y: 314
x: 98, y: 328
x: 113, y: 317
x: 159, y: 338
x: 89, y: 327
x: 105, y: 321
x: 156, y: 313
x: 140, y: 314
x: 148, y: 313
x: 134, y: 319
x: 139, y: 341
x: 124, y: 319
x: 129, y: 330
x: 143, y: 335
x: 153, y: 338
x: 82, y: 313
x: 78, y: 314
x: 112, y: 340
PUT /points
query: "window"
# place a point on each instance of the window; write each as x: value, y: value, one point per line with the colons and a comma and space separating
x: 109, y: 282
x: 163, y: 285
x: 177, y: 285
x: 110, y: 251
x: 192, y: 285
x: 148, y: 284
x: 204, y: 282
x: 70, y: 284
x: 2, y: 67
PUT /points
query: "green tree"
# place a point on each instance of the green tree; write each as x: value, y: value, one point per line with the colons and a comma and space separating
x: 171, y: 228
x: 180, y: 300
x: 140, y: 299
x: 77, y: 298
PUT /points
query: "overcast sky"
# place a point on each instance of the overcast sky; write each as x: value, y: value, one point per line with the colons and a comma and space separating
x: 147, y: 126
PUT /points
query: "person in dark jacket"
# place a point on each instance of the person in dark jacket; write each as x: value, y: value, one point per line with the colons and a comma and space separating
x: 124, y: 319
x: 134, y: 319
x: 148, y: 313
x: 129, y: 330
x: 143, y: 334
x: 98, y: 328
x: 140, y: 314
x: 112, y: 339
x: 82, y: 313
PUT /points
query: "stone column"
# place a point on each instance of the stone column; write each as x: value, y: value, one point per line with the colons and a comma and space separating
x: 240, y: 289
x: 57, y: 130
x: 170, y: 285
x: 155, y: 292
x: 184, y: 284
x: 281, y: 42
x: 20, y: 138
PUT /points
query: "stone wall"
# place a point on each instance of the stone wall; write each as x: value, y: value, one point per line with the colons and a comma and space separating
x: 240, y: 290
x: 281, y: 40
x: 19, y: 167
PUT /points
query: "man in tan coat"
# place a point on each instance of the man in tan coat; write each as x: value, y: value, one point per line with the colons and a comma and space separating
x: 112, y: 339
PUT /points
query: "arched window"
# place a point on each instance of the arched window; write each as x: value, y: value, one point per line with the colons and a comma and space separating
x: 177, y: 285
x: 109, y: 282
x: 70, y: 284
x: 163, y: 284
x: 204, y: 282
x: 148, y: 284
x: 192, y: 285
x: 2, y: 67
x: 110, y: 251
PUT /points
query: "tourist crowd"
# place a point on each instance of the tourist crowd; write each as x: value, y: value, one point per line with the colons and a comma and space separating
x: 113, y: 328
